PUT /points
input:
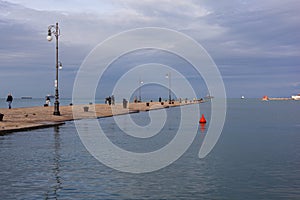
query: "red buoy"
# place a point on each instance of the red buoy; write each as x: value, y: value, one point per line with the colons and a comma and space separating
x: 202, y: 120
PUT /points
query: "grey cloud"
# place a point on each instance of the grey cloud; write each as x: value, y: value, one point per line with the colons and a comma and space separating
x: 264, y: 30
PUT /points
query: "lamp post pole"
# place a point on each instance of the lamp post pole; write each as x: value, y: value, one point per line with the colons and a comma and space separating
x: 140, y: 93
x: 54, y: 29
x: 170, y: 87
x: 168, y: 76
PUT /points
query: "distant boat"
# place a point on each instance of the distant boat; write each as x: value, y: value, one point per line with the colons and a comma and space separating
x: 296, y: 97
x: 242, y: 97
x: 27, y: 97
x: 208, y: 96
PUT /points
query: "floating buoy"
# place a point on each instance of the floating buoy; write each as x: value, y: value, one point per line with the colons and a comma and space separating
x: 202, y: 120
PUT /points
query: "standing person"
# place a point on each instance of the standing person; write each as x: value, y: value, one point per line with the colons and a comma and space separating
x: 109, y: 100
x: 112, y: 99
x: 9, y: 100
x: 48, y: 101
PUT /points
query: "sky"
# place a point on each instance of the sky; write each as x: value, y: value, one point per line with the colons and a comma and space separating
x: 255, y: 44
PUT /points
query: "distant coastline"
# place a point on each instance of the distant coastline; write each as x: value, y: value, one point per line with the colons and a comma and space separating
x: 26, y: 97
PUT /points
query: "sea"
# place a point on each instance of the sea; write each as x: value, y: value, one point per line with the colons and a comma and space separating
x: 256, y: 157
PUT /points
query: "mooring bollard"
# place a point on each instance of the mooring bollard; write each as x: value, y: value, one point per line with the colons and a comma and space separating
x: 86, y: 109
x: 125, y: 102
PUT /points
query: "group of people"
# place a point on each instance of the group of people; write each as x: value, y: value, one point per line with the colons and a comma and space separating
x: 110, y: 100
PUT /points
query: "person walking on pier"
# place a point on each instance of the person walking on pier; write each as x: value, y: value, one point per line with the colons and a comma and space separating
x: 9, y: 100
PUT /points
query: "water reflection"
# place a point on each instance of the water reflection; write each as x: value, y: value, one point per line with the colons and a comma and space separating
x: 202, y: 127
x: 53, y: 193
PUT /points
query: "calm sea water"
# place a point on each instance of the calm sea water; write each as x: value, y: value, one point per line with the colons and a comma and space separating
x: 256, y: 157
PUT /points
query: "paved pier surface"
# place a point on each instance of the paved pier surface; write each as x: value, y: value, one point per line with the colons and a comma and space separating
x: 20, y: 119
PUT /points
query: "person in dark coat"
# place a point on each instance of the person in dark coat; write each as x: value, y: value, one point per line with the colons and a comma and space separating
x: 9, y: 100
x: 112, y: 99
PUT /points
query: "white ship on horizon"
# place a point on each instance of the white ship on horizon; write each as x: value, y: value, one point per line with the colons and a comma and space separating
x: 296, y: 97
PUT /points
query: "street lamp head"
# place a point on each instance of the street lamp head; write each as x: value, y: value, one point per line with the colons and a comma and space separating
x: 49, y: 38
x: 59, y: 65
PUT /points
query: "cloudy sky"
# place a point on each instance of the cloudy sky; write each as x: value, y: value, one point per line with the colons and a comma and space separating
x: 255, y: 44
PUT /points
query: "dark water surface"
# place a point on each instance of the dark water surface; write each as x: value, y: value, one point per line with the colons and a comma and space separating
x: 256, y: 157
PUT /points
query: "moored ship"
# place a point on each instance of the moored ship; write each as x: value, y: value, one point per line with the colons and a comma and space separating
x: 296, y: 97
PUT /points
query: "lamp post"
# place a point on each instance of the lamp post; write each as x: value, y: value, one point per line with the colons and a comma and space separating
x: 168, y: 76
x: 54, y: 29
x: 140, y: 93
